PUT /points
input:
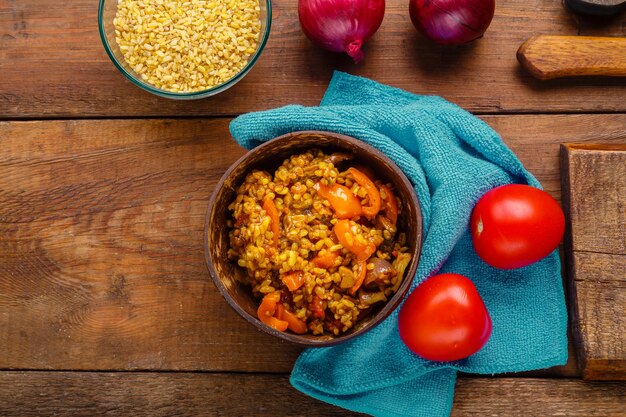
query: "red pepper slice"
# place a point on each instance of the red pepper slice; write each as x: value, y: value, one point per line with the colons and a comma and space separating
x: 295, y: 324
x: 294, y: 280
x: 345, y: 204
x: 317, y: 307
x: 325, y: 259
x: 390, y: 204
x: 363, y: 180
x: 267, y: 310
x: 345, y: 235
x: 362, y: 265
x: 272, y: 211
x: 366, y: 170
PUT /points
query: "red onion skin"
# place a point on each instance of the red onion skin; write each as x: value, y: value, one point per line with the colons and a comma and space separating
x: 341, y: 25
x: 452, y: 22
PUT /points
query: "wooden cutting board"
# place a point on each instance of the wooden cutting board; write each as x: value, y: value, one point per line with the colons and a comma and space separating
x: 594, y: 199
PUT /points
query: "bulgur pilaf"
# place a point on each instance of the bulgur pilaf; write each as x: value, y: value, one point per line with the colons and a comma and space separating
x: 320, y: 245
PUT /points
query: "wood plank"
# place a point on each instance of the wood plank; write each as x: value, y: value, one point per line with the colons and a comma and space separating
x: 534, y: 139
x: 101, y: 231
x: 538, y: 397
x: 191, y: 394
x: 596, y: 184
x: 598, y: 318
x: 594, y: 181
x: 101, y: 261
x: 53, y: 65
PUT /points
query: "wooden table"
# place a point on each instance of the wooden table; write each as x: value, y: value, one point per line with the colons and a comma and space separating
x: 106, y: 306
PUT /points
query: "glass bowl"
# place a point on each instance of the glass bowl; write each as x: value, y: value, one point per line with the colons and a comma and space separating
x: 106, y: 13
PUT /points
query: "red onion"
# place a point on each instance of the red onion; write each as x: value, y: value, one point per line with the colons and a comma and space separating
x: 452, y: 22
x: 341, y: 25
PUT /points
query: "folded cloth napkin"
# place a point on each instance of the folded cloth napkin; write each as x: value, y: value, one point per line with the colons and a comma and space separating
x: 452, y: 158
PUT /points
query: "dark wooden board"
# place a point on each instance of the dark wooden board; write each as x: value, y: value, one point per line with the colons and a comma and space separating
x: 153, y: 394
x: 101, y: 241
x: 52, y: 64
x: 594, y: 181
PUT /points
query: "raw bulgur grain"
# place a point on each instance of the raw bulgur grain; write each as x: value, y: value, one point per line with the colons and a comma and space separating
x: 187, y: 45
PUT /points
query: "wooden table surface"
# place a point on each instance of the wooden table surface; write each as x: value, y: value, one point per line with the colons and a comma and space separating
x: 106, y: 306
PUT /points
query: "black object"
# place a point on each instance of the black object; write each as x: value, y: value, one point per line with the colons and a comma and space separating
x: 596, y: 7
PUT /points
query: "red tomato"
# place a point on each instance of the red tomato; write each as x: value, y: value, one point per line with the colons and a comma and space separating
x: 516, y: 225
x: 445, y: 319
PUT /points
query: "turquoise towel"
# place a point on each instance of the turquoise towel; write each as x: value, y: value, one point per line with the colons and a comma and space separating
x: 452, y: 158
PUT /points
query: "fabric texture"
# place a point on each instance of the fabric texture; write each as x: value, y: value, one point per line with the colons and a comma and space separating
x: 452, y: 158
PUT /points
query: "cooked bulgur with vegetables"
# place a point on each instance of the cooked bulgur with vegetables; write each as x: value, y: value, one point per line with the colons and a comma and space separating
x: 187, y: 45
x: 319, y: 244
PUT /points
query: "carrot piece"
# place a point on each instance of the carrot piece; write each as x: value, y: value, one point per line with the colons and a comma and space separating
x: 294, y: 280
x: 267, y: 310
x: 345, y: 204
x: 325, y: 259
x: 348, y: 239
x: 295, y: 324
x: 390, y: 204
x: 272, y: 211
x: 359, y: 280
x: 372, y: 191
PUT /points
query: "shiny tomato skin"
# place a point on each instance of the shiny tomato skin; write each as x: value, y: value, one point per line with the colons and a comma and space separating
x: 516, y: 225
x: 444, y: 319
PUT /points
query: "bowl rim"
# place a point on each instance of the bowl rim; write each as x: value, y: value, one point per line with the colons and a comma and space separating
x: 191, y: 95
x: 384, y: 312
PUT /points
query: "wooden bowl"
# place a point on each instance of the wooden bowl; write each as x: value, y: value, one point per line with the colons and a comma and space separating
x: 228, y: 276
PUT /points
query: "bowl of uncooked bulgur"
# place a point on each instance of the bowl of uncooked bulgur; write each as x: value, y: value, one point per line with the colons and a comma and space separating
x: 184, y: 49
x: 313, y: 237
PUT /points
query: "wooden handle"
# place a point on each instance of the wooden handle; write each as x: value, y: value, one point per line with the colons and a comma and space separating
x: 547, y: 57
